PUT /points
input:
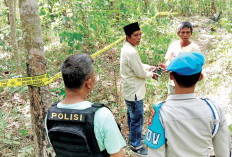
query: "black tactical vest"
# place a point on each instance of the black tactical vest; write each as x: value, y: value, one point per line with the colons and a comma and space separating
x: 71, y: 132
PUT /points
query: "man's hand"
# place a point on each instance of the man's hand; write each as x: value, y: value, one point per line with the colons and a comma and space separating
x: 152, y: 68
x: 155, y: 76
x: 163, y: 66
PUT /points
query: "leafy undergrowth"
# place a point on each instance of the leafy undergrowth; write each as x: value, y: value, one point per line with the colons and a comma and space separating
x: 16, y: 137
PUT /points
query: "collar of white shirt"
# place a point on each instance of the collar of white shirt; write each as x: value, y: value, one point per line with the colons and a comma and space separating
x: 181, y: 96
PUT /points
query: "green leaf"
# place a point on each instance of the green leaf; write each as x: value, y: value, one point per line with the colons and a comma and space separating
x: 78, y: 46
x: 77, y: 36
x: 15, y: 89
x: 62, y: 92
x: 10, y: 48
x: 73, y: 18
x: 71, y: 43
x: 94, y: 27
x: 23, y: 90
x: 70, y: 51
x: 230, y: 128
x: 7, y: 141
x: 23, y: 132
x: 16, y: 142
x: 8, y: 135
x: 82, y: 28
x: 121, y: 5
x: 48, y: 16
x: 65, y: 20
x: 42, y: 12
x: 63, y: 36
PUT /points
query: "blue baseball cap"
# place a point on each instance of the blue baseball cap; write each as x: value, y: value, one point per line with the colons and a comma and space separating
x: 187, y: 63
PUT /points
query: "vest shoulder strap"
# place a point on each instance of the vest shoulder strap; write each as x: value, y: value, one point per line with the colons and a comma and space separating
x: 155, y: 136
x: 215, y: 115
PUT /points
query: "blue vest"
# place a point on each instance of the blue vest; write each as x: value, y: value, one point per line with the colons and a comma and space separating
x: 155, y: 136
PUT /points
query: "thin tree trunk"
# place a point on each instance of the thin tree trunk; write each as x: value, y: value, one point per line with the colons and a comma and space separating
x: 208, y: 8
x: 228, y: 8
x: 7, y: 5
x: 160, y: 9
x: 187, y: 8
x: 145, y: 2
x: 171, y: 5
x: 111, y: 6
x: 86, y: 32
x: 14, y: 41
x: 221, y: 8
x: 213, y: 7
x: 36, y: 64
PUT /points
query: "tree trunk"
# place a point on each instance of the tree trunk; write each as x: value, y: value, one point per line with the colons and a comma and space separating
x: 187, y: 10
x: 14, y: 41
x: 213, y: 7
x: 111, y: 6
x: 145, y: 3
x: 36, y: 64
x: 7, y: 5
x: 228, y: 9
x: 160, y: 9
x: 171, y: 5
x: 221, y: 4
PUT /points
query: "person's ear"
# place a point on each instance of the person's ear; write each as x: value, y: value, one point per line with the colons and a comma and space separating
x: 89, y: 83
x: 201, y: 77
x: 171, y: 76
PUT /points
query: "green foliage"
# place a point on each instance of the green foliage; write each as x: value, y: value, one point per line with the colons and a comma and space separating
x: 154, y: 48
x: 12, y: 136
x: 62, y: 93
x: 26, y: 151
x: 23, y: 132
x: 230, y: 128
x: 226, y: 24
x: 20, y: 89
x: 72, y: 38
x: 78, y: 26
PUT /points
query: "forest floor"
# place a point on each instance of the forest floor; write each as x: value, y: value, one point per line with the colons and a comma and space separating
x: 216, y: 85
x: 218, y: 65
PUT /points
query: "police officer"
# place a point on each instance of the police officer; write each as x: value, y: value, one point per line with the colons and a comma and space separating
x: 184, y: 125
x: 79, y: 76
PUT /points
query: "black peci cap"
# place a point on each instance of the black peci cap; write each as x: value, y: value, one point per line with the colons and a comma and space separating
x: 129, y: 29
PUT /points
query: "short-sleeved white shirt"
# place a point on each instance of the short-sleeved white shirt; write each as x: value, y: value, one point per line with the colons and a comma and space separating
x: 175, y: 49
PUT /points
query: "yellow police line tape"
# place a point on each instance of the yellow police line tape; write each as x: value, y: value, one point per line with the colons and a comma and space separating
x: 43, y: 80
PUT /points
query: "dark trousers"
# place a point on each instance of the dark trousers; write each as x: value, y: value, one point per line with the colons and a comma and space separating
x: 135, y: 121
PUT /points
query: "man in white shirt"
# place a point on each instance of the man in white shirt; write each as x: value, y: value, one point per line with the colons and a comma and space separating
x: 184, y: 31
x: 134, y: 73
